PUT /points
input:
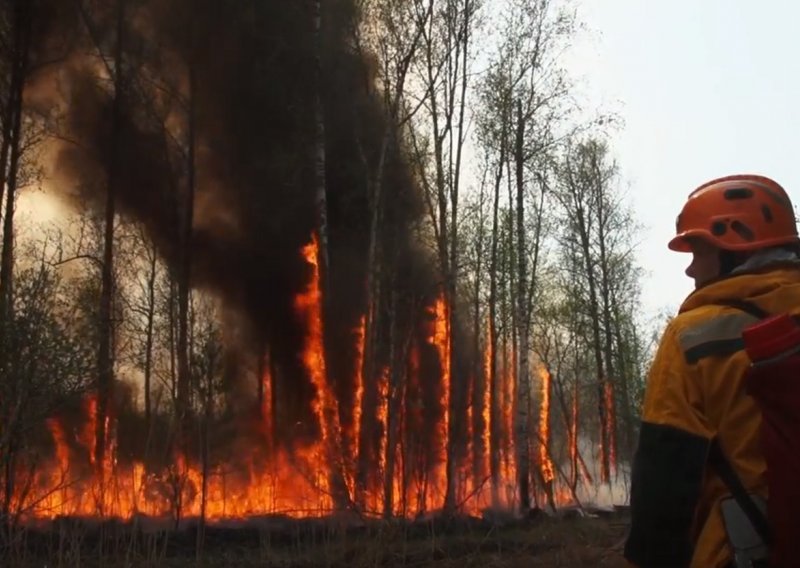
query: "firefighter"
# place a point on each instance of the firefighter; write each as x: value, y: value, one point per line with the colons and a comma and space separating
x: 742, y: 234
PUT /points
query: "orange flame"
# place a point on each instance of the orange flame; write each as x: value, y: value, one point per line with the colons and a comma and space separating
x: 359, y: 386
x: 544, y: 426
x: 383, y: 417
x: 441, y: 340
x: 509, y: 459
x: 296, y: 480
x: 487, y: 400
x: 573, y: 436
x: 60, y: 440
x: 89, y: 434
x: 309, y: 303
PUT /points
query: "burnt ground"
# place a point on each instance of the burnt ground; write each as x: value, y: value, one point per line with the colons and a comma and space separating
x: 568, y: 539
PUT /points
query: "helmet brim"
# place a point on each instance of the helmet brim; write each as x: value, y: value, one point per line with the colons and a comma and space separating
x: 680, y: 243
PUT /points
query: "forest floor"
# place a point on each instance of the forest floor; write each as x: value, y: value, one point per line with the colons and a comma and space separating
x: 560, y: 541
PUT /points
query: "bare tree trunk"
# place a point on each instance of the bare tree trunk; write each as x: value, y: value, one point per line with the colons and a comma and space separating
x: 7, y: 339
x: 624, y: 375
x: 186, y: 217
x: 608, y: 322
x: 12, y: 111
x: 148, y: 352
x: 523, y: 372
x: 601, y: 375
x: 20, y: 64
x: 173, y: 334
x: 579, y: 200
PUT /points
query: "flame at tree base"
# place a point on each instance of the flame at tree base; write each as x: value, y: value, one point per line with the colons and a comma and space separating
x: 304, y: 479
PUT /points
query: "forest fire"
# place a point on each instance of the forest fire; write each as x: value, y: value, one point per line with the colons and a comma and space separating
x: 306, y: 477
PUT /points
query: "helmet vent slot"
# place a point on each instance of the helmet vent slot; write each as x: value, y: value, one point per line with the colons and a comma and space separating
x: 738, y: 193
x: 743, y: 231
x: 767, y: 212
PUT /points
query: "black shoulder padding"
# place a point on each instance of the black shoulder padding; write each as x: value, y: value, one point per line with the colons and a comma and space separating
x: 666, y: 482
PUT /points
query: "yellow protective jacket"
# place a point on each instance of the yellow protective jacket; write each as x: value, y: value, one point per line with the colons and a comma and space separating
x: 695, y: 392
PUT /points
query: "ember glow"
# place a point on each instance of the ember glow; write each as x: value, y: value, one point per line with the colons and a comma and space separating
x: 314, y: 473
x: 359, y: 386
x: 611, y: 421
x: 267, y: 412
x: 573, y: 437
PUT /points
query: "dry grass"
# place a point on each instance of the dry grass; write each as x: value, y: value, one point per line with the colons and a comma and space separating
x: 544, y: 542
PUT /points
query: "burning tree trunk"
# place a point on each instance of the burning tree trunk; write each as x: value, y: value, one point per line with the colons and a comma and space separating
x: 546, y: 468
x: 392, y: 411
x: 494, y: 383
x: 401, y: 30
x: 105, y: 364
x: 510, y: 357
x: 319, y: 148
x: 325, y: 404
x: 446, y: 40
x: 480, y: 384
x: 366, y: 395
x: 457, y: 389
x: 339, y: 487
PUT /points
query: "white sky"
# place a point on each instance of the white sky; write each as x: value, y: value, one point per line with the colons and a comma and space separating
x: 706, y: 88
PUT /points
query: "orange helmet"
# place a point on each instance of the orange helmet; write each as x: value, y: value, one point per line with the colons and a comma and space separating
x: 738, y: 213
